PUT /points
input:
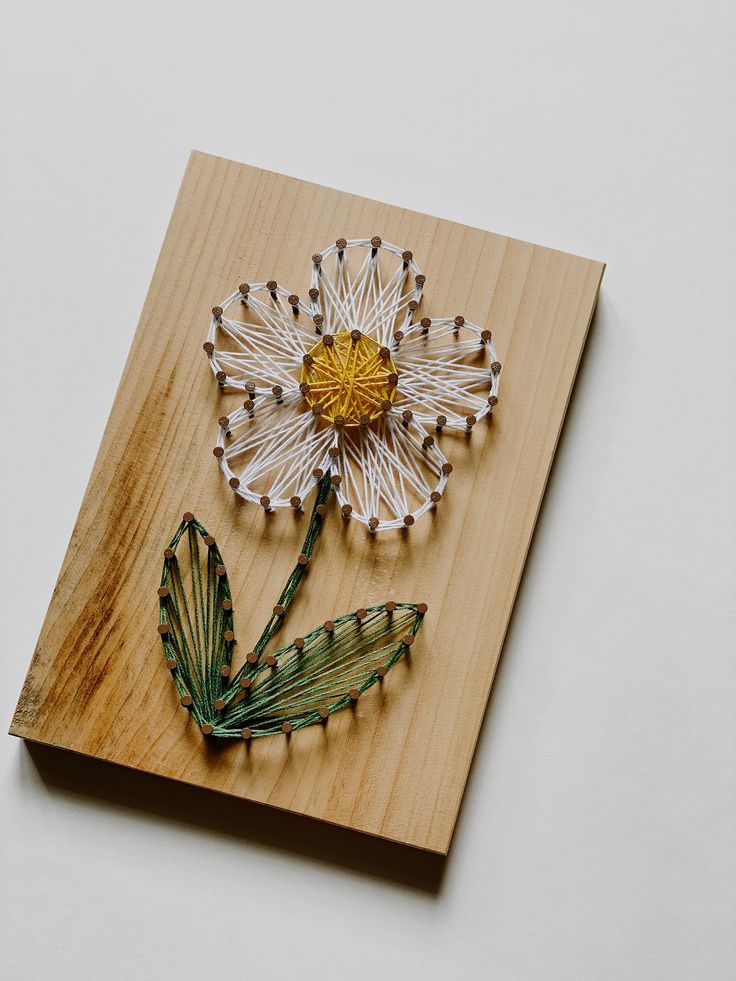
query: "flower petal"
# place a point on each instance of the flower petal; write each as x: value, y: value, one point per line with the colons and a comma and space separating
x: 361, y: 285
x: 390, y: 473
x: 447, y: 368
x: 266, y: 346
x: 271, y: 448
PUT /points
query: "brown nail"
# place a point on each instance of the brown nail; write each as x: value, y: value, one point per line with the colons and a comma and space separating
x: 186, y: 700
x: 220, y: 704
x: 329, y: 626
x: 163, y: 591
x: 206, y: 729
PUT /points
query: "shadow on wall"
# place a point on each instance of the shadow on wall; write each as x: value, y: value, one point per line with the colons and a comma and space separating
x: 66, y: 774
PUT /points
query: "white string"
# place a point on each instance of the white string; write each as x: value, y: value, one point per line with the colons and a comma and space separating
x: 273, y: 449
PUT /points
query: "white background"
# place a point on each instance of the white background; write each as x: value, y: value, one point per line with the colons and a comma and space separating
x: 596, y: 839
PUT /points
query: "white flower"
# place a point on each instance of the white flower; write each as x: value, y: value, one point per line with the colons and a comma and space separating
x: 348, y: 381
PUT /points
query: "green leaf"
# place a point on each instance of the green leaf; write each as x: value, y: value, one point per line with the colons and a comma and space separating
x: 196, y: 619
x: 304, y: 682
x: 321, y: 673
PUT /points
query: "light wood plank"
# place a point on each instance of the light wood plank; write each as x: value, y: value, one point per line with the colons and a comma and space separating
x: 396, y: 766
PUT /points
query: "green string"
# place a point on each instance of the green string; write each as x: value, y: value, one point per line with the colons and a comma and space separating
x: 298, y: 685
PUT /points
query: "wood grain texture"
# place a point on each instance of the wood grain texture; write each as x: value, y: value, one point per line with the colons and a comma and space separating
x: 395, y: 765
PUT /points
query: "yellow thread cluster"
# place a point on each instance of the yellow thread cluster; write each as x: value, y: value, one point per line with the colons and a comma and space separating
x: 350, y: 378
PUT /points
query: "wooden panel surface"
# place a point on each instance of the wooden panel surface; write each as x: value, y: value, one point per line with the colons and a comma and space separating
x: 396, y: 765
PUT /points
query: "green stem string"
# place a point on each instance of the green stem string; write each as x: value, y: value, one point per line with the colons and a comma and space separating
x: 302, y: 683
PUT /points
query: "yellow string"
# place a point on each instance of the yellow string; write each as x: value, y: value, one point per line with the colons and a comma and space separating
x: 349, y: 378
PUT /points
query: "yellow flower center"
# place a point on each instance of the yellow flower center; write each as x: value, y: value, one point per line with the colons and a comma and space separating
x: 348, y: 378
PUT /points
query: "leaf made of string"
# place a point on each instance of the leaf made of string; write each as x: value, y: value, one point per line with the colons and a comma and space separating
x: 326, y: 670
x: 302, y: 683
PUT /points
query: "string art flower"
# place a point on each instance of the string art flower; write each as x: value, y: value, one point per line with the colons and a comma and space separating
x: 341, y: 393
x: 349, y: 383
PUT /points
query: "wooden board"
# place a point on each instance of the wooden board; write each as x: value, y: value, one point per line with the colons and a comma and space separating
x: 395, y: 766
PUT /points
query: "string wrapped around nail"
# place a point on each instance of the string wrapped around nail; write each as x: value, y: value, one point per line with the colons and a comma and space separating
x: 348, y: 381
